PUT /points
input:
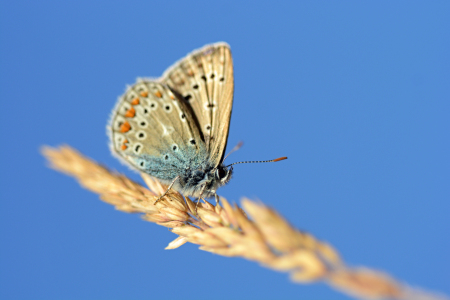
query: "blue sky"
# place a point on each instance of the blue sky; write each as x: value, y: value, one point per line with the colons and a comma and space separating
x: 356, y: 94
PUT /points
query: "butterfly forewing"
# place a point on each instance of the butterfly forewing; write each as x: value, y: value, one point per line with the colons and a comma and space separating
x: 204, y: 79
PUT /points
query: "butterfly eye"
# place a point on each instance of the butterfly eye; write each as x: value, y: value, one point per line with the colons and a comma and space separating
x: 221, y: 173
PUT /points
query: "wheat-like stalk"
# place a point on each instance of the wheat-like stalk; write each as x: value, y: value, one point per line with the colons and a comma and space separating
x: 255, y: 232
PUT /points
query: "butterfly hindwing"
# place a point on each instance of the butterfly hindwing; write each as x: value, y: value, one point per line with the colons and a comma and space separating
x: 154, y: 131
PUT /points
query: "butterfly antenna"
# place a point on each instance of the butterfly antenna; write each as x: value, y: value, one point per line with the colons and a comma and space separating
x: 236, y: 148
x: 258, y: 161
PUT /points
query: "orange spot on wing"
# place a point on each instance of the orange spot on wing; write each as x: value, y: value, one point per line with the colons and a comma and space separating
x: 144, y: 94
x: 125, y: 127
x: 135, y: 101
x: 124, y: 147
x: 172, y: 97
x: 158, y: 94
x: 130, y: 113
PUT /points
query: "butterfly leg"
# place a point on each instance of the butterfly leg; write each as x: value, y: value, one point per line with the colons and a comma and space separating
x: 168, y: 189
x: 217, y: 199
x: 200, y: 196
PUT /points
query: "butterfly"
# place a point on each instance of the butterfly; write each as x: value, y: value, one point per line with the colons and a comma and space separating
x: 175, y: 128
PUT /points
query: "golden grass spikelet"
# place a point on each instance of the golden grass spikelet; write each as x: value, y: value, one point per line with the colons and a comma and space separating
x: 179, y: 241
x: 263, y: 236
x: 373, y: 285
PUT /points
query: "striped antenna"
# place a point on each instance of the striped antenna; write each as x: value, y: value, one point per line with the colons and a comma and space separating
x: 258, y: 161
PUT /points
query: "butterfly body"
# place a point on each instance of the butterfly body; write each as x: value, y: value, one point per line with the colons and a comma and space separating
x: 196, y: 175
x: 175, y: 128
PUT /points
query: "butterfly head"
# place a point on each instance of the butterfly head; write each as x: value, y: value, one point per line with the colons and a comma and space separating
x: 222, y: 174
x: 214, y: 179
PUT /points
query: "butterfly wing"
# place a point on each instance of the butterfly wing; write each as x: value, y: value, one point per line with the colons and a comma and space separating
x: 204, y: 78
x: 153, y: 131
